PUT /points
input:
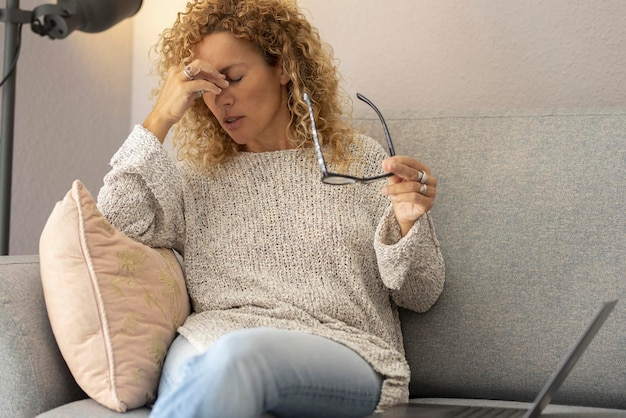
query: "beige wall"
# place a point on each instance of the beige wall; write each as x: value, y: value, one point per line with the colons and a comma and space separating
x: 442, y: 56
x: 72, y: 113
x: 77, y: 98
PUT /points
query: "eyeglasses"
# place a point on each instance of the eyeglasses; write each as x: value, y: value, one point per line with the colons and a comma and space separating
x: 343, y: 179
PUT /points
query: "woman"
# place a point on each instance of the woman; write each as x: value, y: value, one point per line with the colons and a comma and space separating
x: 294, y: 283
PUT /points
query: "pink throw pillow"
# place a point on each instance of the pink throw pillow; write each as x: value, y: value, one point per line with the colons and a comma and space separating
x: 114, y: 304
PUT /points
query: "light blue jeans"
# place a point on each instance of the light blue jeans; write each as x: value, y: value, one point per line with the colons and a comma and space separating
x: 257, y: 370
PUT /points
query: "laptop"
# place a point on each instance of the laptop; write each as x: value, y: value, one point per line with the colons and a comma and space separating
x: 541, y: 401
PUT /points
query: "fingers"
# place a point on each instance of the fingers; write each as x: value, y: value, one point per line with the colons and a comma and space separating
x: 181, y: 88
x: 410, y: 201
x: 408, y: 170
x: 183, y: 85
x: 203, y: 77
x: 411, y: 190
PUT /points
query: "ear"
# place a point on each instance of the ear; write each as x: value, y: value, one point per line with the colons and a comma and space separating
x: 284, y: 77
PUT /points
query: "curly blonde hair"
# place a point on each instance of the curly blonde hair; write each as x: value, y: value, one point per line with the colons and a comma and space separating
x: 284, y: 37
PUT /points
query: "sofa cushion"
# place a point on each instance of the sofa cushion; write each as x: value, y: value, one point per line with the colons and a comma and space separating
x: 91, y: 409
x: 113, y: 303
x: 88, y: 408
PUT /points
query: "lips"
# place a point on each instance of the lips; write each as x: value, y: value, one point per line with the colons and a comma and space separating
x: 232, y: 122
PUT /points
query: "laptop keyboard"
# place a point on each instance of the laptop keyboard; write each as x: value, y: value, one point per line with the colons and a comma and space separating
x: 483, y: 412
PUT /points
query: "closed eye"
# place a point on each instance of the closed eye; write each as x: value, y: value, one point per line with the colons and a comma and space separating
x: 233, y: 80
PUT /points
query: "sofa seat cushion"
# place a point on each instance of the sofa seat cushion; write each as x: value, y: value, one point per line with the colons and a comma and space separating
x: 90, y: 408
x: 425, y: 407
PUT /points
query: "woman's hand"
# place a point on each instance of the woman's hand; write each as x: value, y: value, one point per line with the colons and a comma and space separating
x: 181, y: 88
x: 411, y: 190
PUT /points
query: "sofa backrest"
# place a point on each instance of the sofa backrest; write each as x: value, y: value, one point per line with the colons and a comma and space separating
x: 531, y: 218
x: 34, y: 375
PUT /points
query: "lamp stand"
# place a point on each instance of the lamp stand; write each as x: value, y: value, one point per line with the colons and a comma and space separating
x: 8, y: 123
x: 56, y: 21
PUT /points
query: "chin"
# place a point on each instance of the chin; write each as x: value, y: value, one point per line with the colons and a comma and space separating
x: 239, y: 141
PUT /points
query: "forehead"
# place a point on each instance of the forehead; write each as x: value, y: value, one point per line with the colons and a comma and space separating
x: 222, y: 49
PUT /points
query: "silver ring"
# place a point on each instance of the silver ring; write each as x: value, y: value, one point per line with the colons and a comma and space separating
x: 187, y: 72
x: 423, y: 189
x: 422, y: 177
x: 200, y: 93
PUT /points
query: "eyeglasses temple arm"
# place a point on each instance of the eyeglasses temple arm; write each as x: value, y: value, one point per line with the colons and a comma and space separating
x: 392, y: 151
x: 316, y: 141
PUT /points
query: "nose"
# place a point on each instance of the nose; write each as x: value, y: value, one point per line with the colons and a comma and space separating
x: 224, y: 99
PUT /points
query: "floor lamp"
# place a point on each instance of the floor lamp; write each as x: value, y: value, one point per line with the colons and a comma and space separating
x: 56, y: 22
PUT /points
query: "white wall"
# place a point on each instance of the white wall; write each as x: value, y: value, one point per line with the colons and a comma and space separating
x: 77, y: 98
x: 72, y: 113
x: 442, y: 56
x: 152, y: 18
x: 479, y: 54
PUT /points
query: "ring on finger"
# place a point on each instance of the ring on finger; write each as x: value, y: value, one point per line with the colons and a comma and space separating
x: 200, y: 93
x: 423, y: 189
x: 422, y: 177
x: 187, y: 72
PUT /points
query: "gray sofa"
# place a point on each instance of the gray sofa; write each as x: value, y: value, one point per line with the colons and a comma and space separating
x: 531, y: 219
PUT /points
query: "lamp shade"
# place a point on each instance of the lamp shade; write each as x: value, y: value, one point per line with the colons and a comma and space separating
x: 98, y: 15
x: 84, y: 15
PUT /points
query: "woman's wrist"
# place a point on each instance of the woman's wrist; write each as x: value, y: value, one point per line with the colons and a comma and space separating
x: 157, y: 126
x: 405, y: 228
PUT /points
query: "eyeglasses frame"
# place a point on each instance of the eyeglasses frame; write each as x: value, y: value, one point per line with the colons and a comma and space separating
x: 337, y: 179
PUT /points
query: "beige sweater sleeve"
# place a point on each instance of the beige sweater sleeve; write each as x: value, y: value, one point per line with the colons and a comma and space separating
x: 411, y: 267
x: 143, y: 194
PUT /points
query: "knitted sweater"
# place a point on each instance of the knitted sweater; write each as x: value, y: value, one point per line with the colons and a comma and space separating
x: 267, y: 244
